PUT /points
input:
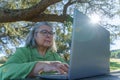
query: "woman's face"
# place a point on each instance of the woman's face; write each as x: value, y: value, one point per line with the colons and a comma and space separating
x: 44, y: 36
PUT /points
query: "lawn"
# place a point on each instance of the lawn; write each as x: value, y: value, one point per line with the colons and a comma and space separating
x: 114, y: 64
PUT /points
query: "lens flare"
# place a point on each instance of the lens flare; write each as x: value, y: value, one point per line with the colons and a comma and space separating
x: 95, y: 18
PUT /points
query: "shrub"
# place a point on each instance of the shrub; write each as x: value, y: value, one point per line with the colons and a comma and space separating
x: 115, y: 54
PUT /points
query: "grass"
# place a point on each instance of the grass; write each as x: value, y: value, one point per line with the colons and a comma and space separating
x: 114, y: 64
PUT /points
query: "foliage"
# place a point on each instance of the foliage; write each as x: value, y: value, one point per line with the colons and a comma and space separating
x: 64, y: 38
x: 115, y: 54
x: 115, y: 60
x: 18, y: 4
x: 13, y: 34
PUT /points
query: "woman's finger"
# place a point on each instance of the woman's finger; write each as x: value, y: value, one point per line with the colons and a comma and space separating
x: 66, y: 65
x: 65, y: 68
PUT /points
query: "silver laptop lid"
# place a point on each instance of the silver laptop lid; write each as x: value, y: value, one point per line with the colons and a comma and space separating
x: 90, y: 48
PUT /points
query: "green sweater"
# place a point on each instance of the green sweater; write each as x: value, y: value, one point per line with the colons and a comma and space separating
x: 22, y: 62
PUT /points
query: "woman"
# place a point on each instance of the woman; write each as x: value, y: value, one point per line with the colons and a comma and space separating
x: 36, y: 57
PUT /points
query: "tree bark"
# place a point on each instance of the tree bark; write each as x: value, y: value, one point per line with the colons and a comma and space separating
x: 29, y: 14
x: 50, y: 17
x: 36, y: 13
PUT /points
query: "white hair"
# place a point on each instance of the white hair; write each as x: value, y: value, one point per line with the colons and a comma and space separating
x: 30, y: 40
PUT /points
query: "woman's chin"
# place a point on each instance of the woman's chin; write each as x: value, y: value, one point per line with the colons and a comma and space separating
x: 47, y: 45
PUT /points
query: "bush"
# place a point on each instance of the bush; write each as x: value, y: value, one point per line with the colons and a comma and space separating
x: 115, y: 54
x: 118, y: 55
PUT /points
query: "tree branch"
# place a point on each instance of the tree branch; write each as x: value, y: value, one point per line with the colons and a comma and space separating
x: 70, y: 2
x: 9, y: 15
x: 66, y: 6
x: 50, y: 17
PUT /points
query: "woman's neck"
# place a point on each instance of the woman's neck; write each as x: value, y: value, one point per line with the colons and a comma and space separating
x: 42, y: 50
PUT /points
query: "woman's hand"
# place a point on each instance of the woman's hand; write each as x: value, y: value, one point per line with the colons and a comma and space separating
x: 50, y: 66
x: 58, y: 66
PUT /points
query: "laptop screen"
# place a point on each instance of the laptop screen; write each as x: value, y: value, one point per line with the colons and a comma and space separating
x: 90, y: 48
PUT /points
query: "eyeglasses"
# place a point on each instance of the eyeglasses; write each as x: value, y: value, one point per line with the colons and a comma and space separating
x: 46, y: 33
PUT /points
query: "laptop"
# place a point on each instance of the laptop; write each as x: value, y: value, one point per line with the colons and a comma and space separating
x: 90, y: 50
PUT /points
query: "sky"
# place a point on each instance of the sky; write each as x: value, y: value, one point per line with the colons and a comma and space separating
x: 115, y: 21
x: 115, y: 45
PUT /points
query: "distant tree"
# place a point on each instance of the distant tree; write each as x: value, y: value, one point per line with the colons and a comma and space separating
x: 118, y: 56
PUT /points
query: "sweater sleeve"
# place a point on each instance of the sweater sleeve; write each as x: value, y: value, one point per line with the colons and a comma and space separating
x: 18, y: 66
x: 59, y: 58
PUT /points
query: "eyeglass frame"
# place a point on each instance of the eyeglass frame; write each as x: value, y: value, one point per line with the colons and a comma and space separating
x: 46, y: 33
